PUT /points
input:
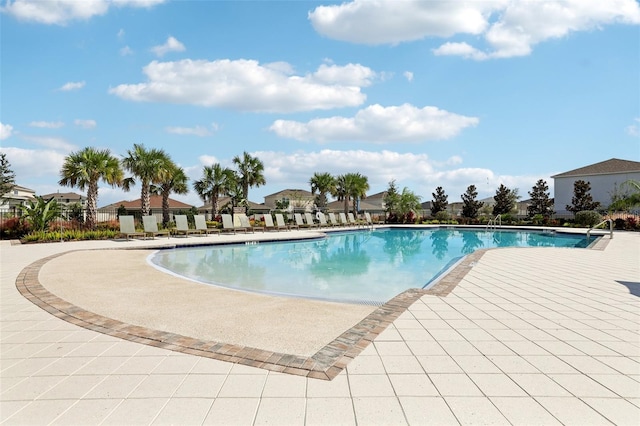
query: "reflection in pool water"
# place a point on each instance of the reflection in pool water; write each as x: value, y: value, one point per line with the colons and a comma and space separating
x: 359, y: 266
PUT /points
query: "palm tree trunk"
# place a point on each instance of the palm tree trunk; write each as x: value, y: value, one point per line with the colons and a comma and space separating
x: 92, y: 201
x: 144, y: 195
x: 346, y: 205
x: 214, y: 206
x: 165, y: 209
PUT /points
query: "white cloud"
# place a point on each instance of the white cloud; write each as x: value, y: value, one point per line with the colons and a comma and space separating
x: 120, y: 34
x: 246, y: 85
x: 29, y: 163
x: 47, y: 124
x: 171, y: 45
x: 126, y: 51
x: 72, y: 86
x: 509, y: 27
x: 195, y: 131
x: 85, y: 124
x: 633, y: 129
x: 61, y: 12
x: 408, y: 75
x: 6, y: 130
x: 404, y: 123
x: 51, y: 143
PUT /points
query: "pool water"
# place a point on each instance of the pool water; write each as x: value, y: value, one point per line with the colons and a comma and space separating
x: 359, y: 266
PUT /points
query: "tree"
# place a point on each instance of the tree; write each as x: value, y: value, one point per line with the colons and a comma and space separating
x: 40, y: 213
x: 439, y: 202
x: 409, y: 202
x: 85, y: 169
x: 147, y: 165
x: 627, y: 197
x: 582, y: 199
x: 172, y: 179
x: 470, y: 206
x: 505, y: 201
x: 540, y: 202
x: 351, y: 187
x: 215, y: 181
x: 7, y: 176
x: 250, y: 173
x: 323, y: 184
x: 391, y: 198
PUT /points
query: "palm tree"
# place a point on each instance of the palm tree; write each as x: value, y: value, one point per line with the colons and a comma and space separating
x: 148, y: 166
x: 215, y: 182
x: 351, y: 187
x: 358, y: 186
x: 250, y: 173
x: 84, y: 169
x: 323, y: 183
x: 172, y: 179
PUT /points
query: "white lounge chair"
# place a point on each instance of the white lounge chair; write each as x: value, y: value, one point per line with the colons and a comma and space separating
x: 310, y: 222
x: 333, y: 220
x: 229, y: 226
x: 280, y: 222
x: 269, y: 225
x: 128, y: 227
x: 343, y: 219
x: 352, y: 220
x: 150, y: 224
x: 201, y: 225
x: 246, y: 223
x: 323, y: 220
x: 182, y: 226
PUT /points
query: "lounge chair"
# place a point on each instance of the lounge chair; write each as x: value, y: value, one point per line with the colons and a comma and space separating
x: 332, y: 220
x: 323, y: 221
x: 128, y: 227
x: 269, y: 226
x: 246, y: 223
x: 367, y: 219
x: 229, y: 226
x: 310, y: 222
x: 352, y: 220
x: 343, y: 219
x: 182, y: 226
x: 150, y: 224
x: 281, y: 224
x: 201, y: 225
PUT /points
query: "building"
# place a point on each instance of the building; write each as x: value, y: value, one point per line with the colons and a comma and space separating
x: 604, y: 178
x: 66, y: 199
x: 224, y: 205
x: 110, y: 212
x: 296, y: 199
x: 17, y: 196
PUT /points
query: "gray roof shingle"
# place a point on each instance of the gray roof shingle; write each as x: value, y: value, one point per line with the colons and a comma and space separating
x: 611, y: 166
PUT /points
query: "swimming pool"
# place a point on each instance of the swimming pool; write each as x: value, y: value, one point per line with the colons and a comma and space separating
x: 357, y: 266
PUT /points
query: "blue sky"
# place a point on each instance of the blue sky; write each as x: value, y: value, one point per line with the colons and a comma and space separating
x: 429, y: 93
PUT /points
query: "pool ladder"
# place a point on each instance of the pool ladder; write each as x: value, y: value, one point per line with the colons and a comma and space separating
x: 602, y: 223
x: 495, y: 222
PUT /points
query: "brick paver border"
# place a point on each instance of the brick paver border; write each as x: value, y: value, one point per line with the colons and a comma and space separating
x: 325, y: 364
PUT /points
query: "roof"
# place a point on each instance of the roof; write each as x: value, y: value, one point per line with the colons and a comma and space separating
x: 156, y: 203
x: 295, y: 192
x: 612, y: 166
x: 22, y: 188
x: 223, y: 201
x: 64, y: 196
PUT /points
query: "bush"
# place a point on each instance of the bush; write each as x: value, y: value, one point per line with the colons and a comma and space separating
x: 588, y: 218
x: 632, y: 223
x: 13, y: 228
x: 442, y: 216
x: 68, y: 235
x: 619, y: 223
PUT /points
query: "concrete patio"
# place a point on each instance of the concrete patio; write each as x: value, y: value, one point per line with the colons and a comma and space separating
x: 528, y: 336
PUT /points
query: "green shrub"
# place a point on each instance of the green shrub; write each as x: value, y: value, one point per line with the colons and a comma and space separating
x: 588, y: 218
x: 442, y: 216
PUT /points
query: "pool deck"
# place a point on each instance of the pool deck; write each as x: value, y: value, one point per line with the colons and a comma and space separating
x: 527, y: 336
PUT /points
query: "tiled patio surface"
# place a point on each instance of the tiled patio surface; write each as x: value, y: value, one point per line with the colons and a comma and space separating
x: 528, y: 336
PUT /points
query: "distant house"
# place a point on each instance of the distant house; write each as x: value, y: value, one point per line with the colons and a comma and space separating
x: 298, y: 199
x: 134, y: 207
x: 17, y: 196
x: 224, y: 204
x: 603, y: 177
x: 67, y: 198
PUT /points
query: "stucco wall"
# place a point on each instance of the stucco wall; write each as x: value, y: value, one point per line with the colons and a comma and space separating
x: 602, y: 187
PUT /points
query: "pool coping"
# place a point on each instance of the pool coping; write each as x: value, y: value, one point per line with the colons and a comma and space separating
x: 325, y: 364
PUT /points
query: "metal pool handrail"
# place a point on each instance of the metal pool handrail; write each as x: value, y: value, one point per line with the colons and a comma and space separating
x: 604, y: 221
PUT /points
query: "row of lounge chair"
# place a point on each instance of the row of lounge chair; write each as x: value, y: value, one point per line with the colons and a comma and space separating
x: 235, y: 223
